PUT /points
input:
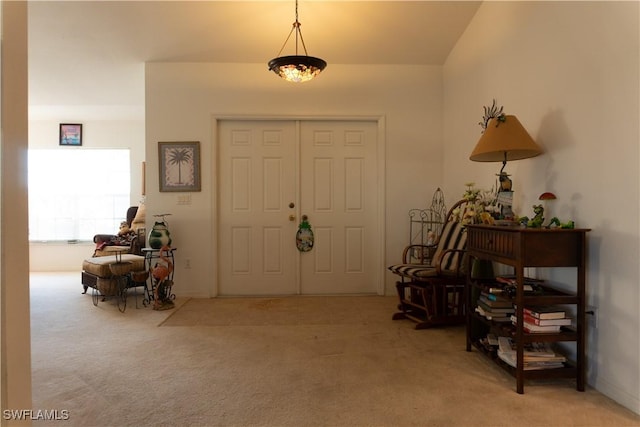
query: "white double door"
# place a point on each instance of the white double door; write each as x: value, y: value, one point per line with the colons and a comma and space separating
x: 273, y: 172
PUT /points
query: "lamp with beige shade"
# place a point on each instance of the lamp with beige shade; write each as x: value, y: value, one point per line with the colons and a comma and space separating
x: 503, y: 139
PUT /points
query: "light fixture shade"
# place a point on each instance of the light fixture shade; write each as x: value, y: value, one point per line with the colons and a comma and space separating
x: 297, y: 68
x: 504, y: 139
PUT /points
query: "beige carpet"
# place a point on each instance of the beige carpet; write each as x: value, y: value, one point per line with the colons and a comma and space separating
x: 299, y: 361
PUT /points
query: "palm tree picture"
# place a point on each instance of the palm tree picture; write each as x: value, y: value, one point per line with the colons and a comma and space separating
x: 178, y: 156
x: 179, y: 166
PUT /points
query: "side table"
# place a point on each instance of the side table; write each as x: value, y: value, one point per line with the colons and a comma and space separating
x: 160, y: 264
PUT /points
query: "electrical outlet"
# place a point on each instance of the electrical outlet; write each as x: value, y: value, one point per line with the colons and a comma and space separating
x: 184, y: 199
x: 592, y: 316
x: 187, y: 263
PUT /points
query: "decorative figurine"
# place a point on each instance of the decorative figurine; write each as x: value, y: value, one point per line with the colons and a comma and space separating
x: 536, y: 221
x: 566, y: 225
x: 161, y: 274
x: 304, y: 236
x: 505, y: 181
x: 159, y: 235
x: 492, y: 112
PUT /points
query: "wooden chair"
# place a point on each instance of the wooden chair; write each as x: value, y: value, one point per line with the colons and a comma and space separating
x: 432, y: 293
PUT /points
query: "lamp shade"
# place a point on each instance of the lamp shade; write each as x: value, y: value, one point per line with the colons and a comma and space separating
x: 297, y: 68
x: 503, y: 140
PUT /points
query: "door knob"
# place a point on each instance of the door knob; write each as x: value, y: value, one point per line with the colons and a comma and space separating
x: 292, y: 217
x: 292, y: 205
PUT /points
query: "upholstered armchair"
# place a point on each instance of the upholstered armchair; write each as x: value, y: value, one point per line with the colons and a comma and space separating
x: 131, y: 242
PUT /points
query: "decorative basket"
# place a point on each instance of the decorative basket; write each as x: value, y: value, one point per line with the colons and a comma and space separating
x: 121, y: 268
x: 139, y: 276
x: 107, y: 287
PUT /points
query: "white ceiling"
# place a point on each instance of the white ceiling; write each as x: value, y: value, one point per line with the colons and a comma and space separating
x: 91, y: 54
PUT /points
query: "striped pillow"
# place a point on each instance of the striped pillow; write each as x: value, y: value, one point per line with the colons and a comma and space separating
x: 453, y: 236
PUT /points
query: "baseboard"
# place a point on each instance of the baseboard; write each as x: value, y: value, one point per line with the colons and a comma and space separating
x: 620, y: 396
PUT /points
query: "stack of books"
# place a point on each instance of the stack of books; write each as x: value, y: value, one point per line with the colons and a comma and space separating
x: 494, y: 307
x: 547, y: 319
x: 537, y: 355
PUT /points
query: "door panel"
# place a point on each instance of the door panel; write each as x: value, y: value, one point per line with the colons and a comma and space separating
x: 338, y: 192
x: 328, y: 170
x: 257, y: 181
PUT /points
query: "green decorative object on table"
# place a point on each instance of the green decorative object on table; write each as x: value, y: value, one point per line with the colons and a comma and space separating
x: 536, y: 221
x: 159, y: 235
x: 570, y: 225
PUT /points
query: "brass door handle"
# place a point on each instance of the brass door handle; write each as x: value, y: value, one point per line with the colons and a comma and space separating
x: 292, y: 217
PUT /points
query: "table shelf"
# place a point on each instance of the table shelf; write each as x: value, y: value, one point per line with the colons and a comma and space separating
x: 521, y: 248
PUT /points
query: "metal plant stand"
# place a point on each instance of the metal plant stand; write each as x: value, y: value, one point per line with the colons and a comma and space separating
x: 158, y: 289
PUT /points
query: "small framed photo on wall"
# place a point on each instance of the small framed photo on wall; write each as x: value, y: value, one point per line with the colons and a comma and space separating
x: 71, y: 134
x: 179, y: 166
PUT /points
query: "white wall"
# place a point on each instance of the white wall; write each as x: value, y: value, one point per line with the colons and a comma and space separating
x: 15, y: 345
x: 95, y: 134
x: 183, y: 98
x: 570, y: 72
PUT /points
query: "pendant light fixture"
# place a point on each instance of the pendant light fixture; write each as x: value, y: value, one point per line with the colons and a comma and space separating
x: 296, y: 68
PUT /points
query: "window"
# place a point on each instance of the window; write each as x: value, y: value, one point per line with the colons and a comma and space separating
x: 77, y: 193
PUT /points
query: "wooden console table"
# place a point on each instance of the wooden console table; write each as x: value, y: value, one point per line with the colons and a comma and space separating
x: 531, y: 247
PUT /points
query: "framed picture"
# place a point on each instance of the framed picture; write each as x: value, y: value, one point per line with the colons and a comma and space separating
x: 179, y: 166
x: 71, y: 134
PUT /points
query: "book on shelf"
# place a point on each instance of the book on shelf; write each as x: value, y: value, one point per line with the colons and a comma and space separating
x: 565, y: 321
x: 498, y: 317
x: 495, y: 310
x: 533, y: 328
x: 492, y: 300
x: 511, y: 280
x: 512, y: 360
x: 545, y: 312
x: 533, y: 349
x: 529, y: 284
x: 536, y: 355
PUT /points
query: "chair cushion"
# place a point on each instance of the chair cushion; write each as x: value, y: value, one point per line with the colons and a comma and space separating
x: 110, y: 250
x: 454, y: 236
x: 413, y: 271
x: 139, y: 220
x: 99, y: 266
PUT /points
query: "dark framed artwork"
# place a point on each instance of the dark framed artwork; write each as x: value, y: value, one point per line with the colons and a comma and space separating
x: 179, y: 166
x: 71, y: 134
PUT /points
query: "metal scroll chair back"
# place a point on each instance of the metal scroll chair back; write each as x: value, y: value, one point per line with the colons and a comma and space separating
x: 425, y: 227
x: 438, y: 205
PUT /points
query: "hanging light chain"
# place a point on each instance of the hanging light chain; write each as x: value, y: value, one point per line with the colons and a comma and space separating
x: 295, y: 27
x: 296, y: 68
